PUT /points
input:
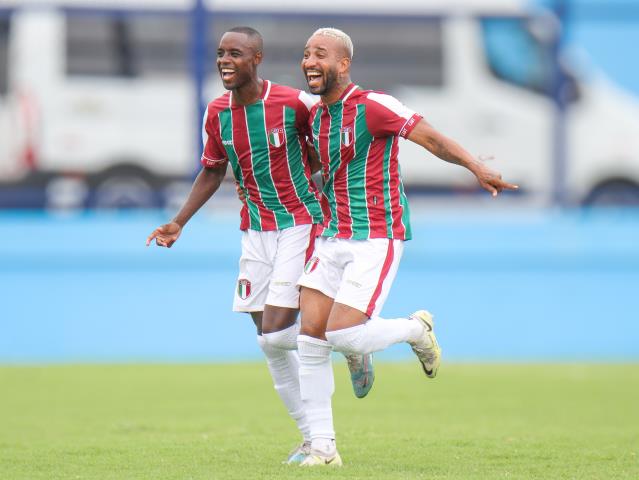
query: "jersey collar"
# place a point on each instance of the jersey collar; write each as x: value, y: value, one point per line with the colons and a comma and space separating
x: 266, y: 89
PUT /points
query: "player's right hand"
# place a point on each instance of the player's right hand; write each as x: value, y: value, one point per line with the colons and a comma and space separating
x: 165, y: 235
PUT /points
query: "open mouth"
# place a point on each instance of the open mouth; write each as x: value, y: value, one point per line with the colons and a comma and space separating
x: 313, y: 78
x: 227, y: 73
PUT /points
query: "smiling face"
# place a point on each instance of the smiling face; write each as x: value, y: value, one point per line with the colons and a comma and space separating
x: 325, y: 58
x: 237, y: 60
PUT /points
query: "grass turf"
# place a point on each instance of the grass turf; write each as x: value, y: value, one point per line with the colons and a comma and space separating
x: 226, y: 422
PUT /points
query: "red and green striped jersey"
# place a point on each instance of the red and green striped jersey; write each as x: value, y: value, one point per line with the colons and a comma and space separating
x: 357, y: 141
x: 265, y: 143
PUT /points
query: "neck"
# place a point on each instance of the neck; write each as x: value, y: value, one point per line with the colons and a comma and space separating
x: 334, y: 95
x: 248, y: 93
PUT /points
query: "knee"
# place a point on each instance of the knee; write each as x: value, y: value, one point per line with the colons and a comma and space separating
x: 283, y: 339
x: 345, y: 341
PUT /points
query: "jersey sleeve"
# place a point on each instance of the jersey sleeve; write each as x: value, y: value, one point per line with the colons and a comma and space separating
x: 213, y: 155
x: 386, y: 116
x: 304, y: 104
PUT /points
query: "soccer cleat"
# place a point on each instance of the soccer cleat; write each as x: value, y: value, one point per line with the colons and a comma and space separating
x: 315, y: 458
x: 362, y: 373
x: 298, y: 454
x: 427, y: 349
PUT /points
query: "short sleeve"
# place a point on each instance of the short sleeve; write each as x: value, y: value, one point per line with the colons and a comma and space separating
x: 304, y: 104
x: 386, y: 116
x: 213, y: 155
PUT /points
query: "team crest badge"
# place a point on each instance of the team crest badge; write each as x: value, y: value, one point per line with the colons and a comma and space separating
x: 311, y: 265
x: 276, y: 137
x: 346, y: 134
x: 243, y: 288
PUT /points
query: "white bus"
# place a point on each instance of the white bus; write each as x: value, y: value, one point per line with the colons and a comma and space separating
x: 97, y: 98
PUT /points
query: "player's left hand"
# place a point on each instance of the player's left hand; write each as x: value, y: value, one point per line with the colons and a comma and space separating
x: 240, y: 193
x: 491, y: 180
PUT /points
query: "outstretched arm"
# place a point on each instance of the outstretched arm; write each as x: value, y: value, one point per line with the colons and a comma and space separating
x: 205, y: 185
x: 443, y: 147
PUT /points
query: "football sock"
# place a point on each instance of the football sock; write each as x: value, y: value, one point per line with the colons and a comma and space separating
x: 284, y: 367
x: 376, y: 334
x: 325, y: 446
x: 317, y: 387
x: 285, y: 339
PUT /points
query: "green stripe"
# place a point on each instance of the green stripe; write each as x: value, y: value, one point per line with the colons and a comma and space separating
x: 404, y: 202
x: 357, y: 176
x: 226, y: 131
x: 296, y: 167
x: 262, y: 165
x: 334, y: 142
x: 387, y: 196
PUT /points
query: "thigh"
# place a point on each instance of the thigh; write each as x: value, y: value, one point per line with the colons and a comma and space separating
x: 367, y: 278
x: 288, y: 262
x: 323, y: 271
x: 255, y: 272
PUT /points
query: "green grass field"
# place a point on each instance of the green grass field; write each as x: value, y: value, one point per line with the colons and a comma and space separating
x: 226, y: 422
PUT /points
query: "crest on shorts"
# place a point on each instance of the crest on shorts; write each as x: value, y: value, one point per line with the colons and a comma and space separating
x: 276, y: 137
x: 311, y: 265
x: 346, y: 135
x: 243, y: 288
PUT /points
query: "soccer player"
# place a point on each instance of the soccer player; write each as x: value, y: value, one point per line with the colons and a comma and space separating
x: 260, y: 129
x: 346, y: 281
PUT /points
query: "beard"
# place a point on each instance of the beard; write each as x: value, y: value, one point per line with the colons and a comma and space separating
x: 330, y: 82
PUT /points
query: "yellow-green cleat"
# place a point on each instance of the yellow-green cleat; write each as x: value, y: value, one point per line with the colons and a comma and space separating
x: 427, y: 349
x: 362, y: 373
x: 319, y: 459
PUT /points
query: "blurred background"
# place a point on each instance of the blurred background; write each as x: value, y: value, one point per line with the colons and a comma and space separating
x: 100, y: 134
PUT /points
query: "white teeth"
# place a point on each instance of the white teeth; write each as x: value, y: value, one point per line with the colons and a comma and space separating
x: 227, y: 70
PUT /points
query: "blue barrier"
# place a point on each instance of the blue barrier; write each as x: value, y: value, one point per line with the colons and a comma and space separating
x: 504, y: 287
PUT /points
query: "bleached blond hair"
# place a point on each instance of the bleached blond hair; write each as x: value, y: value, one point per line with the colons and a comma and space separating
x: 338, y: 34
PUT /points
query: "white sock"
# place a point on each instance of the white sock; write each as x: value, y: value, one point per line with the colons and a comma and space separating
x: 285, y: 339
x: 284, y: 367
x: 317, y: 387
x: 376, y: 334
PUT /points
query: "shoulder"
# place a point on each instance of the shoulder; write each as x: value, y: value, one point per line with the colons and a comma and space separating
x: 290, y: 96
x: 220, y: 103
x: 378, y: 99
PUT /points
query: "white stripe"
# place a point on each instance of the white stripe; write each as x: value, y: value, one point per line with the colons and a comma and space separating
x: 205, y: 135
x: 306, y: 99
x: 268, y: 89
x: 349, y: 93
x: 394, y: 105
x: 270, y: 165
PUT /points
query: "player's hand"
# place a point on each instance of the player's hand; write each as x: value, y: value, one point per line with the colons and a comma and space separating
x: 166, y: 235
x: 491, y: 180
x: 240, y: 193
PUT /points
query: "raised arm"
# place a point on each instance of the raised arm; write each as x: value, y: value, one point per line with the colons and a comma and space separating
x: 447, y: 149
x: 205, y: 185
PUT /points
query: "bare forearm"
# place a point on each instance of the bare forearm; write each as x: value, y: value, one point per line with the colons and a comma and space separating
x: 206, y: 184
x: 442, y: 146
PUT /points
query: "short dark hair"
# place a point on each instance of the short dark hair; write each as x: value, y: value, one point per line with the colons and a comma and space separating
x: 252, y: 34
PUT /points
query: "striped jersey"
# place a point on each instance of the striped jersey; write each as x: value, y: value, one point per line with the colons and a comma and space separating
x: 357, y: 142
x: 265, y: 143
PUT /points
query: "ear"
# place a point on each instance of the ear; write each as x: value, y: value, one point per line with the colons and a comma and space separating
x: 257, y: 58
x: 344, y: 65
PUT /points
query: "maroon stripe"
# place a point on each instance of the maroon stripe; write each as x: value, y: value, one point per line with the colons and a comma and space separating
x: 311, y: 243
x: 399, y: 231
x: 342, y: 197
x: 242, y: 146
x: 382, y: 276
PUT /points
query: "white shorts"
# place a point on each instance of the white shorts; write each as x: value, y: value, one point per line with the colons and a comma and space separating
x: 357, y: 273
x: 270, y: 266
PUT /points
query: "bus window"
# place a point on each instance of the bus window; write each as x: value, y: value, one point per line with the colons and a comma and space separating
x: 4, y: 55
x: 409, y: 52
x: 127, y: 46
x: 515, y: 56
